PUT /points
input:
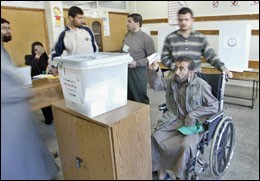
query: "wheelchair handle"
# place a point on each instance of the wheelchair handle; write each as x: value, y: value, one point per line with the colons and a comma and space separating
x: 225, y: 75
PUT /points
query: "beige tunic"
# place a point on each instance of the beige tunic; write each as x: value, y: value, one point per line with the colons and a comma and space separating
x: 193, y: 102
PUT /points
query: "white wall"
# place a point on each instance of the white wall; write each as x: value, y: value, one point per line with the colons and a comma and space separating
x: 151, y: 9
x: 24, y: 4
x: 205, y: 8
x: 159, y: 9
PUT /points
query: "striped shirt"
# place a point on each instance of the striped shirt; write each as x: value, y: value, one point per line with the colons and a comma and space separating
x: 194, y: 46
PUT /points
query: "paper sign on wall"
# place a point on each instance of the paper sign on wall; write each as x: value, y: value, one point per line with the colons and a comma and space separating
x: 234, y: 44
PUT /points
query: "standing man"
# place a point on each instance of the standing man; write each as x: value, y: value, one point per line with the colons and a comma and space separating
x: 76, y: 38
x: 23, y: 154
x: 140, y: 46
x: 187, y: 42
x: 6, y: 36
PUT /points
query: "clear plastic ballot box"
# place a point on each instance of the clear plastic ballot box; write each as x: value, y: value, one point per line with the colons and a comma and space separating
x: 94, y: 84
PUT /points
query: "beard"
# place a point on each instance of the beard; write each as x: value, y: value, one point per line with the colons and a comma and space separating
x: 7, y: 37
x: 180, y: 80
x: 77, y: 24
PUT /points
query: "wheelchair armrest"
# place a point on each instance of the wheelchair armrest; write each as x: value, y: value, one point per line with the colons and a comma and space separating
x: 214, y: 117
x: 162, y: 107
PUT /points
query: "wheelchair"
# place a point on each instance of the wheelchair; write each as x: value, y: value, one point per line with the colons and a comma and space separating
x: 219, y: 132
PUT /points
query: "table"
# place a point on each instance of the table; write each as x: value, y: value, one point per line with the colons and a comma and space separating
x: 45, y: 92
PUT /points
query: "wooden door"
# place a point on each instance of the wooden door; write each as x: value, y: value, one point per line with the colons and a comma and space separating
x: 28, y: 26
x: 96, y: 24
x: 117, y: 24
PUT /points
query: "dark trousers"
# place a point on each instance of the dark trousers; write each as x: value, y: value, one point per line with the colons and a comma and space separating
x: 47, y: 113
x: 137, y: 85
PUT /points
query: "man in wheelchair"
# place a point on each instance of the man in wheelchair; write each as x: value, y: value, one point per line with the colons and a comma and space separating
x: 189, y: 101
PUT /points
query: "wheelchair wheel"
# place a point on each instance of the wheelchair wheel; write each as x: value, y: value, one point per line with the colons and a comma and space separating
x: 222, y: 147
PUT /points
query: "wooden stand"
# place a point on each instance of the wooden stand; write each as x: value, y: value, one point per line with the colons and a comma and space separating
x: 114, y: 145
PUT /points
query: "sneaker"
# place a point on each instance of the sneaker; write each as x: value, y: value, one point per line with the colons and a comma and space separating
x: 167, y: 177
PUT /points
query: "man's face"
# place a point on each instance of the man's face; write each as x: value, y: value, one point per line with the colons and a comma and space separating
x: 185, y: 21
x: 6, y: 32
x: 182, y: 72
x: 131, y: 25
x: 78, y: 20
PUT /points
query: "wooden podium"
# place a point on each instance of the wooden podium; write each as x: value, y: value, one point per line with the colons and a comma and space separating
x: 115, y: 145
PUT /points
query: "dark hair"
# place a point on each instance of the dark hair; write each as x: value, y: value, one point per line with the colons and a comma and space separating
x: 185, y: 11
x: 74, y: 11
x: 33, y: 45
x: 137, y: 18
x: 187, y: 59
x: 4, y: 21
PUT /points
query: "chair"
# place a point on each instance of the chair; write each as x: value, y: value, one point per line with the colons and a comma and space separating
x: 219, y: 132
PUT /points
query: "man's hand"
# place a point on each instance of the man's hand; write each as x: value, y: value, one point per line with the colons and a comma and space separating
x: 189, y: 120
x: 132, y: 64
x: 54, y: 71
x: 154, y: 66
x: 229, y: 74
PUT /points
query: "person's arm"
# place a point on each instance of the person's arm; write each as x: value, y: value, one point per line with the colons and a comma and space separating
x: 59, y: 46
x: 154, y: 77
x: 43, y: 62
x: 149, y: 50
x: 93, y: 40
x: 13, y: 91
x: 166, y: 56
x: 28, y: 59
x: 212, y: 58
x: 34, y: 62
x: 209, y: 106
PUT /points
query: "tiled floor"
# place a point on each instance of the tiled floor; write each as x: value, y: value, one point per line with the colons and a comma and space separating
x: 245, y: 162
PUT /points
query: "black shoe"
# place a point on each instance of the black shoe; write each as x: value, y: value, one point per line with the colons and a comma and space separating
x: 155, y: 175
x: 48, y: 122
x: 55, y: 154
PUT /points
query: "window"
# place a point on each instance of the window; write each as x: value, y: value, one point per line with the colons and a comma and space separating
x: 173, y: 8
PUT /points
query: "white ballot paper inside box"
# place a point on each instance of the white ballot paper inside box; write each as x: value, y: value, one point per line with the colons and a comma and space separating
x: 152, y: 58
